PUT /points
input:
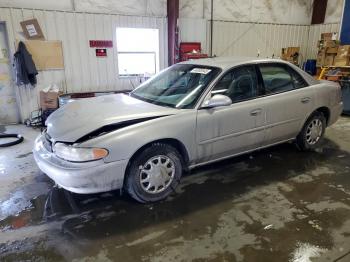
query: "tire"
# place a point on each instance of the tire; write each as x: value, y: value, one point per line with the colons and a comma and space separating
x: 309, y: 139
x: 154, y: 173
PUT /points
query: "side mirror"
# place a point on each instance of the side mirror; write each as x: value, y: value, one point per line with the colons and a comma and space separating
x: 217, y: 100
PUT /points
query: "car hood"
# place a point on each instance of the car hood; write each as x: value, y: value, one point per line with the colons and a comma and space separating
x: 79, y: 118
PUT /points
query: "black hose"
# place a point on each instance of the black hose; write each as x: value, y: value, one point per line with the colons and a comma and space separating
x: 17, y: 141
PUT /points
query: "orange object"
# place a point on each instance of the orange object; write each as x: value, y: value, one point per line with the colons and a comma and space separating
x: 333, y: 78
x: 323, y: 72
x: 99, y: 153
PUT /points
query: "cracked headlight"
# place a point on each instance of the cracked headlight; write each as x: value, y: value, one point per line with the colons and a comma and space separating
x: 78, y: 154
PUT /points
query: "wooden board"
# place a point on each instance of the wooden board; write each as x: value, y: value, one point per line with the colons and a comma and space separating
x: 46, y: 54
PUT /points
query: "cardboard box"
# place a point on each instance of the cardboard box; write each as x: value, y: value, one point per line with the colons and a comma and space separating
x: 327, y: 43
x: 32, y: 30
x: 342, y: 61
x: 290, y: 54
x: 343, y: 50
x: 332, y: 50
x: 290, y: 51
x: 321, y: 57
x: 329, y: 60
x: 49, y: 100
x: 330, y: 43
x: 326, y: 36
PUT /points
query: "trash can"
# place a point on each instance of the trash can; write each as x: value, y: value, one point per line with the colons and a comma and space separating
x: 310, y: 67
x: 345, y: 87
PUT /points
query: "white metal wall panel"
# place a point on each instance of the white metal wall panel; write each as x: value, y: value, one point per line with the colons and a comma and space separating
x: 83, y: 70
x: 249, y: 39
x: 315, y: 35
x: 194, y: 30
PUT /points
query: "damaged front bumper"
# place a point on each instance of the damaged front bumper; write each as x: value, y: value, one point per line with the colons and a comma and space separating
x: 83, y: 178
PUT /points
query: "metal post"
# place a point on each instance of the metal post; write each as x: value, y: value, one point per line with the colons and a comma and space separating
x: 173, y: 15
x: 211, y: 27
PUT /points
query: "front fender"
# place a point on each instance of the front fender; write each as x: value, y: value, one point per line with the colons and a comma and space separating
x: 123, y: 143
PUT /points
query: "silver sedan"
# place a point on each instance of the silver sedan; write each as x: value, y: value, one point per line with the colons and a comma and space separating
x: 191, y: 114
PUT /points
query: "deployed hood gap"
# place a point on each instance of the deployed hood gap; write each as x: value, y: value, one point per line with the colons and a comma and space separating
x: 113, y: 127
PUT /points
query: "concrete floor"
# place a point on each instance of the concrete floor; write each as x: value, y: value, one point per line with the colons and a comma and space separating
x: 277, y: 204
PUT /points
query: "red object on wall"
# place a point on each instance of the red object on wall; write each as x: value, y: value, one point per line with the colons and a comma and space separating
x: 191, y: 50
x: 101, y: 52
x: 101, y: 43
x: 188, y: 47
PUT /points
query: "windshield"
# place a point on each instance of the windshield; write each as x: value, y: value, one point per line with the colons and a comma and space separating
x: 179, y: 86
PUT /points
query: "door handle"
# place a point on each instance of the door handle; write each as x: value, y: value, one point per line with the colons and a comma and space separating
x: 256, y: 112
x: 305, y: 100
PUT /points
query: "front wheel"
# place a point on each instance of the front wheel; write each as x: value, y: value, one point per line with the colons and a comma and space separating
x: 154, y: 173
x: 311, y: 135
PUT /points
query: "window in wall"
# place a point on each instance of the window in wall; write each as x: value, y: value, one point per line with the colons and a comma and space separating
x: 138, y: 51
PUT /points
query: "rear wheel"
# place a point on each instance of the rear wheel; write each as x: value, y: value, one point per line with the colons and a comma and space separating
x: 154, y: 173
x: 311, y: 135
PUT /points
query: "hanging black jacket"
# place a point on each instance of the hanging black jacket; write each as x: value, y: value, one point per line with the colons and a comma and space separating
x: 25, y: 68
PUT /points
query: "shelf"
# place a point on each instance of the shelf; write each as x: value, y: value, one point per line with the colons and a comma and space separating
x: 347, y: 67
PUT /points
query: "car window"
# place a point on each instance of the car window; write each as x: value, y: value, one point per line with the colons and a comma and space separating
x: 179, y: 86
x: 276, y: 79
x: 239, y: 84
x: 298, y: 80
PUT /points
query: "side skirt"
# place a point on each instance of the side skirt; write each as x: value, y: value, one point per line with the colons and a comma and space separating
x: 238, y: 154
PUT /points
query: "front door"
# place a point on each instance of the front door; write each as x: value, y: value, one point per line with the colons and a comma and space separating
x: 8, y: 106
x: 229, y: 130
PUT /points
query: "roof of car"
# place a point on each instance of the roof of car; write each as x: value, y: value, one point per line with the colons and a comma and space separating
x: 227, y: 62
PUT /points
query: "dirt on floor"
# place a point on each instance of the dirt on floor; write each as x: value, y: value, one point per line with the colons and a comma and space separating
x: 277, y: 204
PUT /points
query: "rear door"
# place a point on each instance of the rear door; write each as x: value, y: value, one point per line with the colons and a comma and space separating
x: 229, y: 130
x: 288, y: 101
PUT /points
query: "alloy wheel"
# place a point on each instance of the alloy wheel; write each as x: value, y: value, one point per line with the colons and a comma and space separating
x: 314, y: 131
x: 157, y: 174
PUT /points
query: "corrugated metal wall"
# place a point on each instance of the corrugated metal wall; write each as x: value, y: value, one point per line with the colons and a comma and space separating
x: 249, y: 39
x: 246, y: 39
x: 194, y: 30
x: 83, y: 71
x: 315, y: 35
